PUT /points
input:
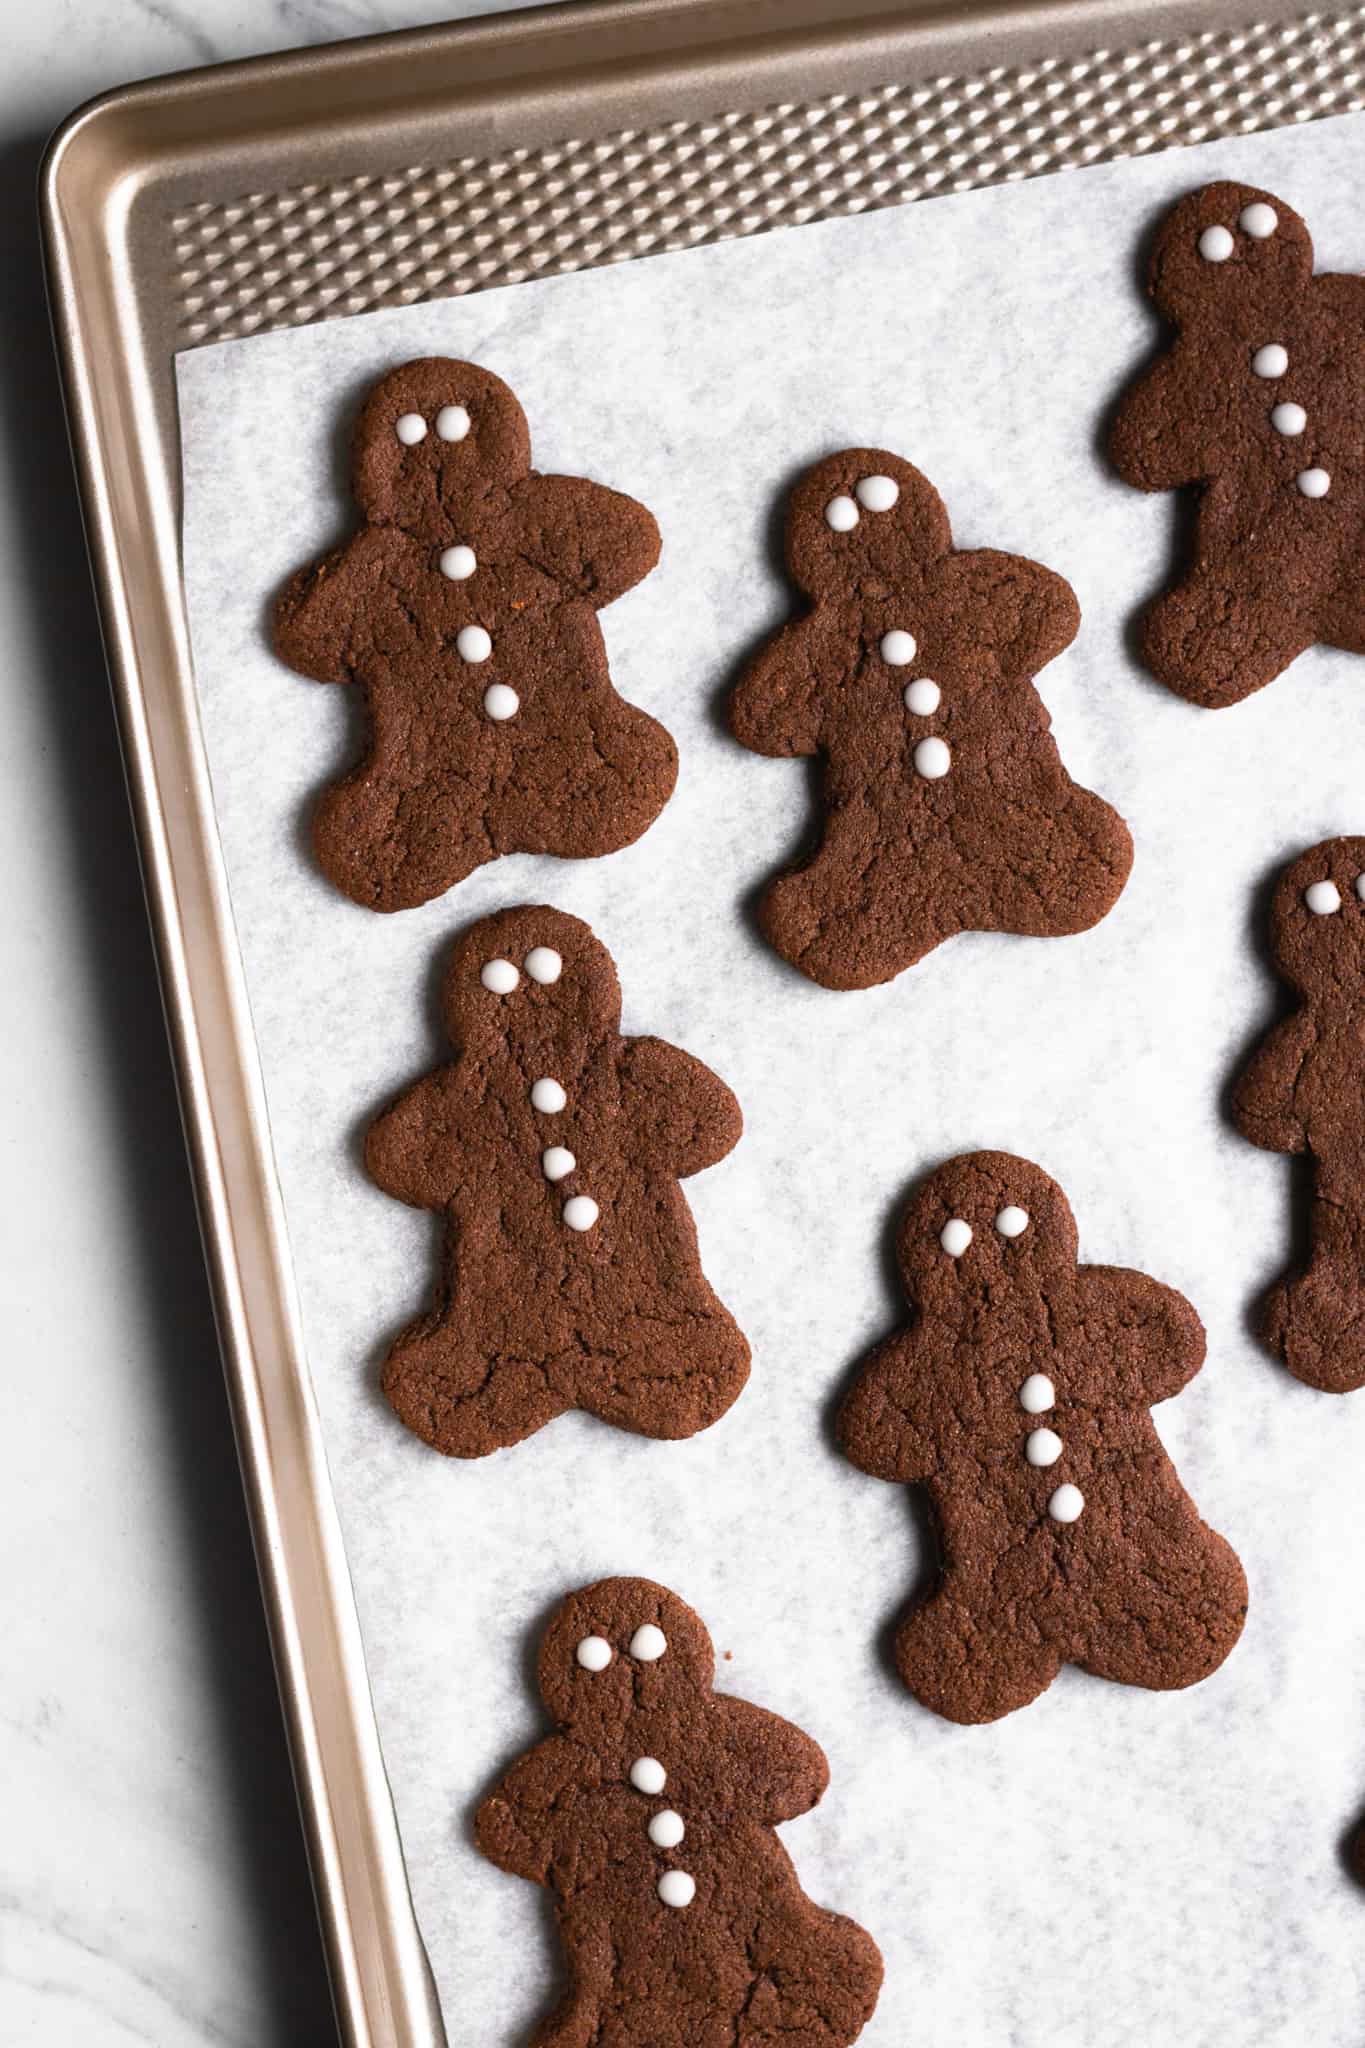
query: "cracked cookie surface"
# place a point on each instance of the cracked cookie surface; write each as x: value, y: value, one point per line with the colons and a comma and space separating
x: 466, y: 610
x: 554, y: 1147
x: 1303, y: 1091
x: 1018, y: 1398
x: 650, y: 1816
x: 947, y: 808
x: 1257, y: 404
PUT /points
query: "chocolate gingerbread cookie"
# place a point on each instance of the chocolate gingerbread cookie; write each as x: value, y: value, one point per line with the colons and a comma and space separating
x: 466, y: 610
x: 947, y: 805
x: 553, y: 1147
x: 1019, y: 1398
x: 1304, y: 1091
x: 1257, y: 403
x: 650, y: 1816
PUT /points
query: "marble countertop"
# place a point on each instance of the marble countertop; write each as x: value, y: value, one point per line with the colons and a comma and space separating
x: 154, y: 1886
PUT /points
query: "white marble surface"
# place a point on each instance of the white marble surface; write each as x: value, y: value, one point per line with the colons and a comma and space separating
x: 1108, y: 1867
x: 151, y: 1884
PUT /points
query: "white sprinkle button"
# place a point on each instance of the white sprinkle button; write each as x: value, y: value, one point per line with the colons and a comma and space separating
x: 898, y: 647
x: 666, y: 1829
x: 1012, y: 1221
x: 594, y: 1653
x: 1258, y: 220
x: 648, y: 1775
x: 1313, y: 483
x: 676, y: 1888
x: 955, y: 1236
x: 1288, y: 419
x: 500, y: 976
x: 557, y: 1162
x: 1216, y: 245
x: 1037, y: 1394
x: 1066, y: 1504
x: 411, y: 429
x: 452, y: 423
x: 877, y: 493
x: 1322, y: 898
x: 581, y: 1212
x: 932, y: 759
x: 1044, y: 1447
x: 1271, y: 361
x: 544, y: 965
x: 458, y: 563
x: 501, y: 702
x: 841, y: 515
x: 547, y: 1096
x: 472, y: 643
x: 648, y: 1643
x: 923, y: 697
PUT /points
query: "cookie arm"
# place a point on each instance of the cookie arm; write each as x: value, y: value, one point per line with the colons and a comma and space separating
x: 316, y: 613
x: 1152, y: 1335
x: 412, y: 1148
x: 1021, y: 612
x: 775, y: 705
x: 1155, y: 444
x: 1263, y: 1106
x: 777, y: 1771
x: 876, y: 1427
x: 516, y: 1825
x: 680, y: 1115
x: 596, y: 541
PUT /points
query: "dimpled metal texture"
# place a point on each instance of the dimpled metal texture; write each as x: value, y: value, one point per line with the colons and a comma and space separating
x: 281, y: 259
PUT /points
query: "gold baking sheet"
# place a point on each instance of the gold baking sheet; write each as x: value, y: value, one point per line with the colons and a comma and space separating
x: 229, y: 201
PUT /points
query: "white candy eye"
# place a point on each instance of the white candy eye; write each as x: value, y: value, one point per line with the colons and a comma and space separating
x: 1216, y: 245
x: 581, y: 1212
x: 676, y: 1888
x: 841, y: 515
x: 1322, y: 898
x: 501, y: 702
x: 877, y: 493
x: 452, y: 423
x: 648, y: 1643
x: 897, y: 647
x: 410, y: 429
x: 543, y: 964
x: 1272, y: 360
x: 1012, y: 1221
x: 1258, y: 220
x: 955, y: 1236
x: 500, y: 976
x: 594, y: 1653
x: 923, y: 697
x: 1313, y: 483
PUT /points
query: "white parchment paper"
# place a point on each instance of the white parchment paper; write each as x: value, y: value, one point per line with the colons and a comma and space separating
x: 1108, y: 1866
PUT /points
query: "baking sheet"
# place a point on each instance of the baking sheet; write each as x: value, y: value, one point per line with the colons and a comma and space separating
x: 1107, y: 1866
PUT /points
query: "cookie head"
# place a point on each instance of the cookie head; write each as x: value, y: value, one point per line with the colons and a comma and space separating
x: 432, y: 435
x: 621, y: 1647
x: 979, y: 1225
x: 527, y: 980
x: 1317, y: 919
x: 864, y: 517
x: 1225, y: 248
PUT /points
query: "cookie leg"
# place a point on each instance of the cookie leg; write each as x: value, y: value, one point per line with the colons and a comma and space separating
x: 819, y: 1979
x: 390, y: 846
x: 459, y: 1401
x: 968, y: 1666
x: 1054, y: 864
x: 852, y: 916
x: 1171, y: 1623
x: 668, y: 1379
x: 1315, y: 1321
x: 1224, y: 632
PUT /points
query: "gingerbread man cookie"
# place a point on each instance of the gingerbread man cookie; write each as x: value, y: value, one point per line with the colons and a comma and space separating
x: 553, y: 1146
x: 1257, y: 402
x: 1304, y: 1091
x: 650, y: 1817
x: 1019, y: 1398
x: 947, y: 805
x: 466, y: 609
